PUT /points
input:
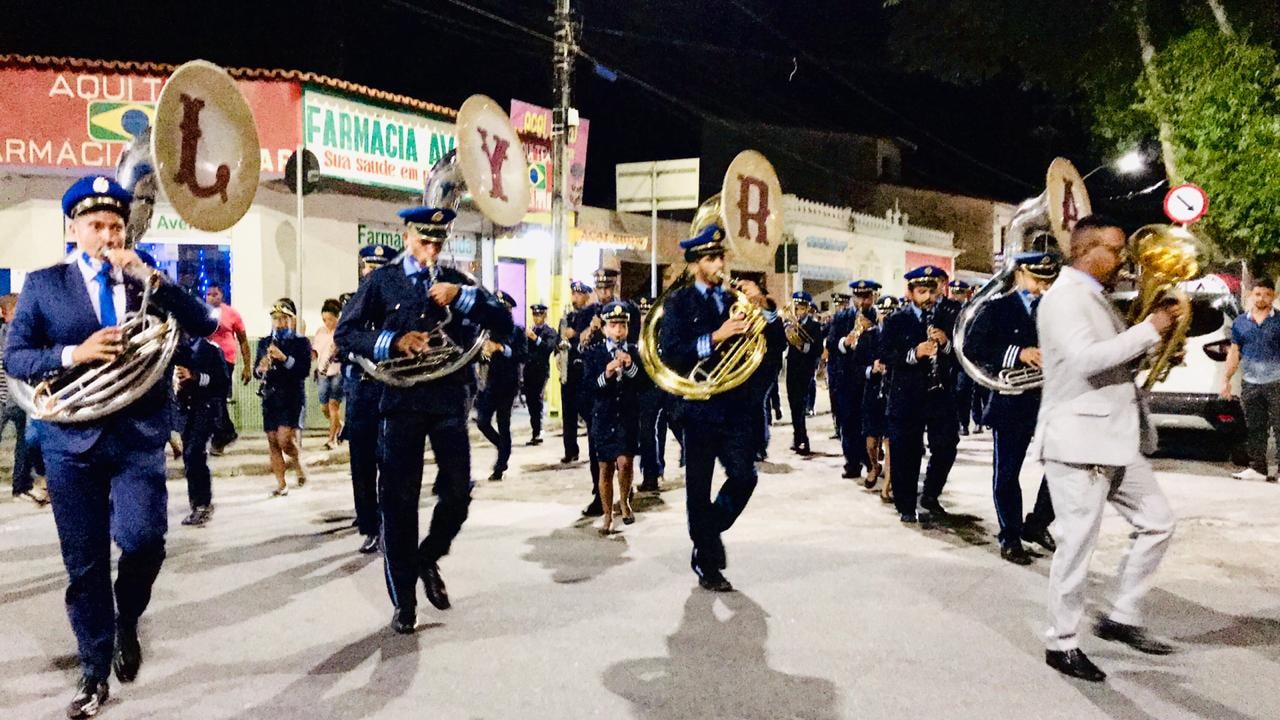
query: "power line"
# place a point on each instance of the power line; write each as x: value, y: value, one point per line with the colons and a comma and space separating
x: 874, y: 100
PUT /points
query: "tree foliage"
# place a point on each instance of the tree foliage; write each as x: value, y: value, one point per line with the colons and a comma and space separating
x: 1221, y: 96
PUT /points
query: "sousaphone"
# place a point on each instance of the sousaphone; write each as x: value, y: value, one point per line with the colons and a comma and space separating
x: 749, y: 208
x: 202, y: 155
x: 487, y: 172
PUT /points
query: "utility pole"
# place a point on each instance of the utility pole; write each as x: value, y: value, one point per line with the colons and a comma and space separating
x: 562, y: 78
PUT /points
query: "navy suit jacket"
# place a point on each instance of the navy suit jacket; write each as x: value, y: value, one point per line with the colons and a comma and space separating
x: 801, y: 362
x: 909, y: 396
x: 54, y: 311
x: 285, y: 382
x: 999, y: 333
x: 842, y: 362
x: 614, y: 398
x: 504, y: 372
x: 202, y: 358
x: 538, y: 364
x: 865, y: 355
x: 389, y: 301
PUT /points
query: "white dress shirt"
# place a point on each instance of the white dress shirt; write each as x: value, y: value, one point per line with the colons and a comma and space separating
x: 89, y: 271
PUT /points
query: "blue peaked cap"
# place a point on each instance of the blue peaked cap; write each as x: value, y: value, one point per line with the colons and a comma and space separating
x: 95, y: 192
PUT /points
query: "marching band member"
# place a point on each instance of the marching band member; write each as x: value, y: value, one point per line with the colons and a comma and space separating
x: 1003, y: 337
x: 960, y: 291
x: 542, y: 341
x: 654, y: 405
x: 106, y: 477
x: 917, y: 349
x: 1094, y: 430
x: 282, y: 363
x: 842, y: 338
x: 697, y: 322
x: 868, y: 362
x: 383, y: 318
x: 613, y: 366
x: 200, y: 371
x: 502, y: 384
x: 363, y: 395
x: 802, y: 361
x: 573, y: 324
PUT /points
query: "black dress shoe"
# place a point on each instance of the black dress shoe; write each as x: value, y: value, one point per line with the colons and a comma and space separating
x: 803, y: 449
x: 934, y: 507
x: 850, y: 474
x: 404, y: 621
x: 1015, y: 554
x: 964, y: 432
x: 593, y: 510
x: 128, y: 654
x: 568, y: 459
x: 437, y: 595
x: 908, y: 518
x: 1131, y: 635
x: 534, y: 441
x: 1040, y: 537
x: 715, y: 583
x: 649, y: 486
x: 496, y: 476
x: 370, y: 545
x: 1075, y: 664
x: 91, y: 693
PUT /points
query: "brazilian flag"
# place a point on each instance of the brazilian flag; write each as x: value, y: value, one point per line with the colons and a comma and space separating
x: 118, y: 121
x: 538, y: 175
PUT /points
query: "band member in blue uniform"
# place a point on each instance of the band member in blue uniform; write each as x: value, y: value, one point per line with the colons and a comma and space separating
x: 696, y: 321
x: 572, y: 325
x: 106, y: 477
x: 613, y: 367
x: 542, y: 341
x: 607, y: 291
x: 868, y: 363
x: 803, y: 352
x: 764, y: 383
x: 960, y: 291
x: 502, y: 384
x: 917, y: 349
x: 1004, y: 337
x: 842, y: 338
x: 654, y: 417
x: 282, y: 363
x: 401, y: 302
x: 201, y: 374
x: 360, y: 427
x: 835, y: 382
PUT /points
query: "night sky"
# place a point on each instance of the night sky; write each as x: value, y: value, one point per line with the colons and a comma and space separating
x: 711, y: 58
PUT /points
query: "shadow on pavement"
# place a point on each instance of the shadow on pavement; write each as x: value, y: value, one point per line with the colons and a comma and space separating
x: 719, y: 669
x: 577, y: 554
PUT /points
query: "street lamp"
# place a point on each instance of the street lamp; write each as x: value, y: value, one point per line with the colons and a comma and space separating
x: 1131, y: 163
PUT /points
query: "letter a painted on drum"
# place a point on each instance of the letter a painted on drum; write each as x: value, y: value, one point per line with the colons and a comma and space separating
x: 761, y: 213
x: 496, y: 159
x: 191, y: 133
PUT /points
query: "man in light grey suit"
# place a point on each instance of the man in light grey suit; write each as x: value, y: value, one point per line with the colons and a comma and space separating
x: 1094, y: 430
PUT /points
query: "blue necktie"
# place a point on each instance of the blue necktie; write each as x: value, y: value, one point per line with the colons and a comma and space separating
x: 714, y: 297
x: 106, y: 299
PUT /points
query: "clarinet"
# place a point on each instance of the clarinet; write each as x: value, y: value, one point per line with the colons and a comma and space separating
x: 935, y: 377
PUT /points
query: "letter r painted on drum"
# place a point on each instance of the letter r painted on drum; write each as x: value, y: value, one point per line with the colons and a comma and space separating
x: 186, y: 175
x: 749, y: 186
x: 1070, y: 213
x: 496, y: 159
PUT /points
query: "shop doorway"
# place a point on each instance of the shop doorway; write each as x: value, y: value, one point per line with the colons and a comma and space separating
x: 512, y: 280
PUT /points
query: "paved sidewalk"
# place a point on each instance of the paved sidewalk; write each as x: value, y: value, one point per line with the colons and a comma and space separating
x: 841, y: 612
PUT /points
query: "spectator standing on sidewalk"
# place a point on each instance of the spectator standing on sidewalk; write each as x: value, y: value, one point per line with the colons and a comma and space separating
x: 229, y: 337
x: 327, y: 370
x: 23, y: 482
x: 1255, y: 347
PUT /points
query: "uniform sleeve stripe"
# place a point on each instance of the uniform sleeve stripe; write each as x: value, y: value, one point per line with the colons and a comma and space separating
x: 466, y: 299
x: 601, y: 380
x: 911, y: 356
x: 770, y: 315
x: 704, y: 346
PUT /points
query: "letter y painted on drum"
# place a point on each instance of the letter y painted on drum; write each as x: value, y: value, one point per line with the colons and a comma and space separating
x: 190, y: 127
x: 496, y: 159
x: 753, y: 188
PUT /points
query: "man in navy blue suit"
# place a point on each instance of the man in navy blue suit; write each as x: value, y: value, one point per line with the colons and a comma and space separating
x: 502, y: 384
x: 802, y: 361
x: 916, y: 346
x: 696, y: 322
x: 106, y: 477
x: 390, y: 314
x: 842, y: 339
x: 201, y: 372
x: 1004, y: 337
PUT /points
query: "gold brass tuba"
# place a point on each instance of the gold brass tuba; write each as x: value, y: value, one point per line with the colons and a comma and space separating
x: 749, y: 208
x: 1166, y: 255
x: 487, y: 171
x: 203, y: 155
x: 797, y: 336
x: 1054, y: 211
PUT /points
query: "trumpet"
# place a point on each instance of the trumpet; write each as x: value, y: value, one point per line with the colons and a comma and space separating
x: 797, y: 336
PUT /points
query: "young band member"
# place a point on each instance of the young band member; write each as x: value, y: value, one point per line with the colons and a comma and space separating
x: 106, y: 477
x: 868, y: 361
x: 842, y: 337
x: 501, y: 386
x: 696, y: 322
x: 802, y: 361
x: 200, y: 371
x: 391, y: 314
x: 1003, y: 337
x: 613, y: 367
x: 282, y: 363
x: 363, y: 395
x: 917, y: 349
x: 542, y: 341
x: 1094, y: 428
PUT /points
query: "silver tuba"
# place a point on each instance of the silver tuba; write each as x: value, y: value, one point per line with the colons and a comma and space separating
x: 487, y: 171
x: 1054, y: 212
x: 203, y: 155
